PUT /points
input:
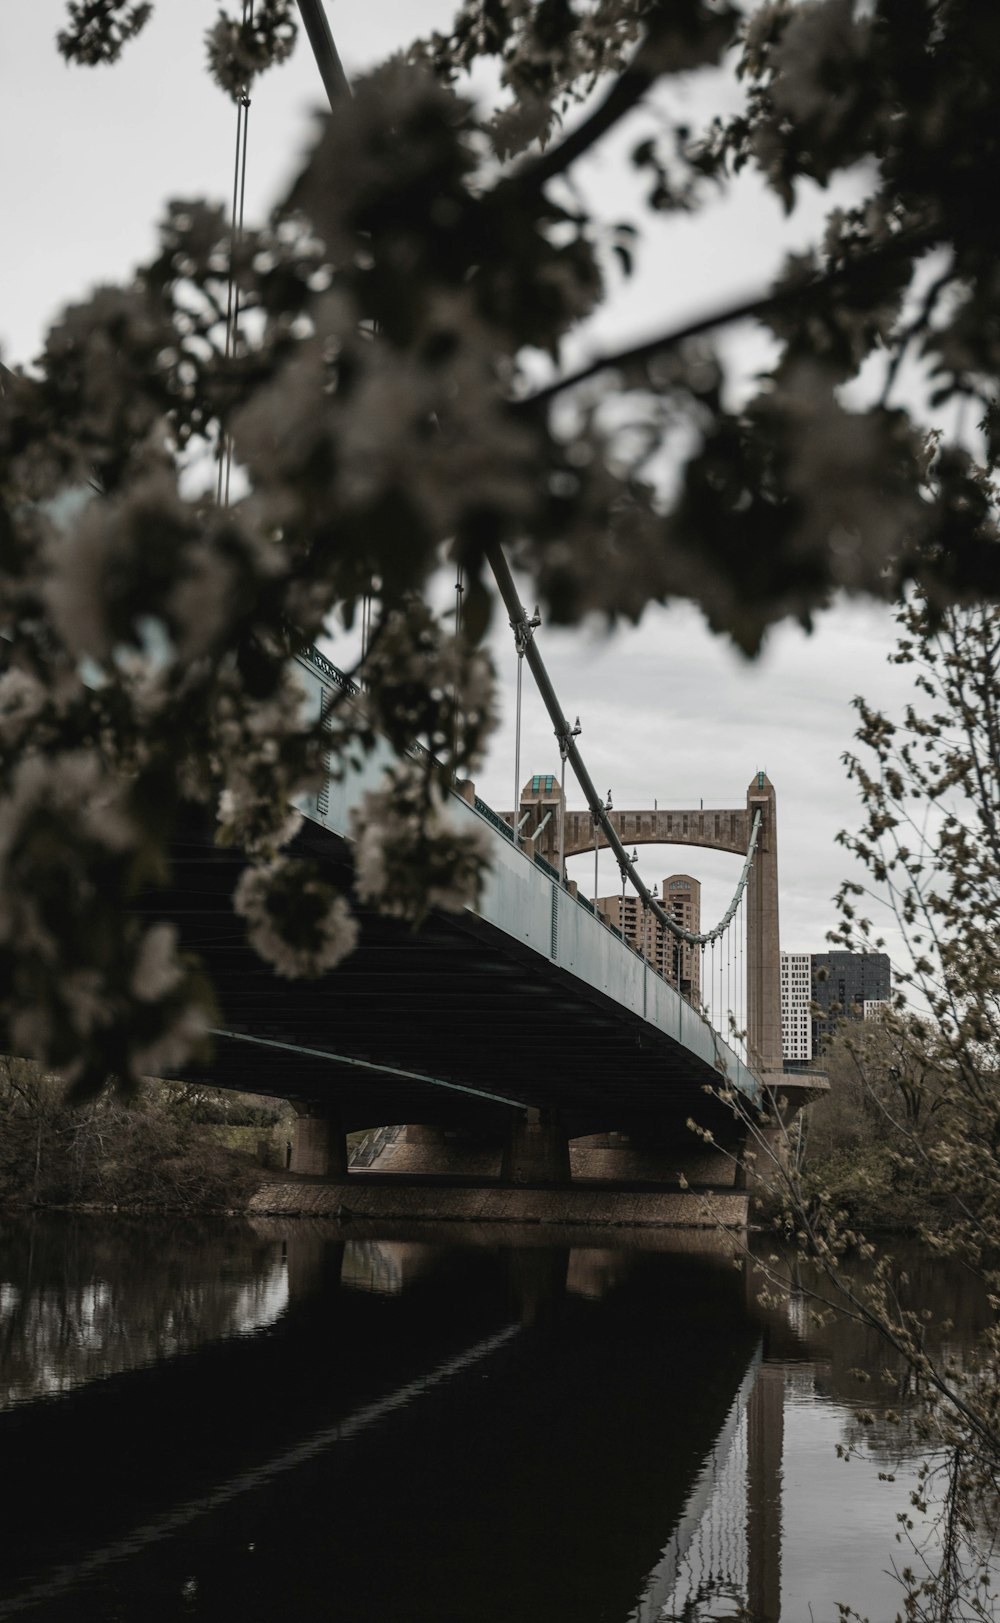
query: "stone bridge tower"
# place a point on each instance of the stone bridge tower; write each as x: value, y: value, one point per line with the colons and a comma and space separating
x: 541, y: 815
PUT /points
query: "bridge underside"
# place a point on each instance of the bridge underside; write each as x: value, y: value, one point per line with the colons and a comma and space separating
x: 459, y: 1001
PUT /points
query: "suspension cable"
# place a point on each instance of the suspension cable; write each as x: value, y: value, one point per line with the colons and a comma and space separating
x: 741, y: 978
x: 564, y: 733
x: 335, y: 80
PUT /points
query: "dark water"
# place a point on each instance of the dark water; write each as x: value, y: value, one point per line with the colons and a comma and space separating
x: 353, y: 1424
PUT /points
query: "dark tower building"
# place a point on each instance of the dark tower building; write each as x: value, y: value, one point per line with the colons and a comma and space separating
x: 843, y: 983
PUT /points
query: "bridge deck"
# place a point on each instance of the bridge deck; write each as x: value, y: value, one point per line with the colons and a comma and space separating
x: 529, y: 1000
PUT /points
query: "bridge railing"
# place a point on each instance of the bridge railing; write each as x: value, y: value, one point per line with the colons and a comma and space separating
x: 330, y: 673
x: 329, y: 670
x: 494, y: 819
x: 502, y: 826
x: 546, y: 921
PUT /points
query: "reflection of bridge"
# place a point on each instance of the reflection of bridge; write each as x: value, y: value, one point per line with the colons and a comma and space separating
x: 724, y: 1547
x: 468, y: 1411
x: 526, y: 1020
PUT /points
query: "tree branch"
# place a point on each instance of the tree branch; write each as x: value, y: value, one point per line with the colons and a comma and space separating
x: 817, y: 290
x: 626, y: 92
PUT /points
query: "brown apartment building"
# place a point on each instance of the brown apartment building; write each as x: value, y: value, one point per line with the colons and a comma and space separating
x: 676, y: 960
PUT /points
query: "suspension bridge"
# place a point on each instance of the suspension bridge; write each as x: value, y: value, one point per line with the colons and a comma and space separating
x: 525, y: 1029
x: 525, y: 1023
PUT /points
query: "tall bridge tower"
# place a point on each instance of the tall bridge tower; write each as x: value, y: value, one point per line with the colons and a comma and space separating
x: 544, y: 821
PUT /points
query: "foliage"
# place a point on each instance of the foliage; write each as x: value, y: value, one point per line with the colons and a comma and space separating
x: 397, y: 391
x: 154, y: 1152
x: 852, y: 1143
x: 883, y: 1079
x: 920, y: 1128
x: 98, y: 29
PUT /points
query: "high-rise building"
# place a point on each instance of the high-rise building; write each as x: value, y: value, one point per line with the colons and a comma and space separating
x: 682, y: 900
x: 678, y: 961
x: 874, y: 1008
x: 796, y: 1005
x: 843, y: 983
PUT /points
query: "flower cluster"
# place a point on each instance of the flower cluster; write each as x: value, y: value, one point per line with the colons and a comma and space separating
x: 411, y: 854
x: 295, y: 920
x: 239, y: 51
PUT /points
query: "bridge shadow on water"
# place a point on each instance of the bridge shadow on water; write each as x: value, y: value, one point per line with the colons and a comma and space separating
x: 396, y: 1428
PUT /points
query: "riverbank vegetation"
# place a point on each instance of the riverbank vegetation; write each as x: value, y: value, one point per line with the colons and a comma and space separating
x: 853, y: 1143
x: 169, y: 1148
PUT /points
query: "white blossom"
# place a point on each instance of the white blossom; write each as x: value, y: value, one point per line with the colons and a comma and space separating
x: 295, y: 921
x: 410, y: 858
x: 157, y: 970
x: 183, y: 1033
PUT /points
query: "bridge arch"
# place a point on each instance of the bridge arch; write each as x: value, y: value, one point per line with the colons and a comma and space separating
x: 543, y: 817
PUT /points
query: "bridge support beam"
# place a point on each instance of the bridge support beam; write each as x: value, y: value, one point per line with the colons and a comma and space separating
x: 653, y: 1158
x: 319, y: 1149
x: 763, y: 955
x: 537, y: 1150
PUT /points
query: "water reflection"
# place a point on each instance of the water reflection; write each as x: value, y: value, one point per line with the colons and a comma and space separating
x: 79, y: 1302
x: 350, y: 1422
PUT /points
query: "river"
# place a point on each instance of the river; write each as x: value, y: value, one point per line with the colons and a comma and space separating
x: 205, y: 1421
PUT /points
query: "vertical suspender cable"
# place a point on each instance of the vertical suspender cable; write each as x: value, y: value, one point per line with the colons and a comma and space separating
x: 517, y: 750
x: 235, y: 233
x: 741, y: 982
x: 722, y: 992
x: 523, y: 629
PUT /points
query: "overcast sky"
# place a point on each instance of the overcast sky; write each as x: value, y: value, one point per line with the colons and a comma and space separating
x: 668, y: 711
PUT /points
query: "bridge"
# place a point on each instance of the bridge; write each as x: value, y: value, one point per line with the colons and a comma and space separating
x: 524, y: 1024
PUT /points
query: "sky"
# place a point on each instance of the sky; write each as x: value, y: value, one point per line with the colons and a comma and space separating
x: 669, y: 711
